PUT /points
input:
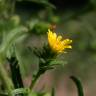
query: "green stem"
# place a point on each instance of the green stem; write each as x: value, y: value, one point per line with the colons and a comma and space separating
x: 5, y: 79
x: 34, y: 80
x: 41, y: 71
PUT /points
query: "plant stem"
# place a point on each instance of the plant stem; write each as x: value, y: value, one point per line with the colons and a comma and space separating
x: 35, y: 79
x: 15, y: 73
x: 5, y: 79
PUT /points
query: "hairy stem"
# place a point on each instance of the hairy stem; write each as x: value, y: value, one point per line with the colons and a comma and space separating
x: 34, y: 80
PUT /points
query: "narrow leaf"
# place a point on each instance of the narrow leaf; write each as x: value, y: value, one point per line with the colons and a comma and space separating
x: 78, y: 85
x: 57, y: 62
x: 11, y: 38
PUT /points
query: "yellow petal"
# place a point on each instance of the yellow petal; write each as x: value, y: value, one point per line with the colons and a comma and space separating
x: 56, y: 43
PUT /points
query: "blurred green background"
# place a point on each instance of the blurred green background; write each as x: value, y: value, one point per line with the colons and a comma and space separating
x: 74, y: 19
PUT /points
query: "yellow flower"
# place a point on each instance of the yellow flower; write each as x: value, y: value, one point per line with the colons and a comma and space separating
x: 56, y: 43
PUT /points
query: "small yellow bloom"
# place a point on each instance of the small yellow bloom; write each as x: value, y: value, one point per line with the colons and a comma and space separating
x: 56, y: 43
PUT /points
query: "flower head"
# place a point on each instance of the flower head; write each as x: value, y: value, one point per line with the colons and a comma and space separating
x: 56, y: 43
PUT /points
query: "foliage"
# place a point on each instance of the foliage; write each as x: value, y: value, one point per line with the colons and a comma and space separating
x: 13, y: 32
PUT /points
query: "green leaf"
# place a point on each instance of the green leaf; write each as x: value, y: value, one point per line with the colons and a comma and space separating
x: 15, y: 72
x: 15, y: 35
x: 20, y: 91
x: 57, y: 62
x: 78, y: 85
